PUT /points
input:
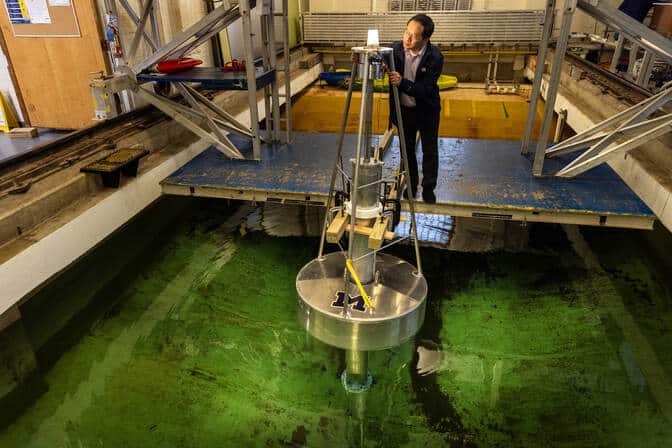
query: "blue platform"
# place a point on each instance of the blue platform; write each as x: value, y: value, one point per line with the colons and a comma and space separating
x: 212, y: 78
x: 477, y: 178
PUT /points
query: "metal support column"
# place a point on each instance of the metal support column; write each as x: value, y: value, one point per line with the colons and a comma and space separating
x: 288, y: 75
x: 632, y: 58
x: 645, y: 69
x: 154, y: 23
x: 538, y: 74
x: 248, y: 36
x: 620, y: 42
x: 553, y: 84
x: 275, y: 94
x: 560, y: 125
x: 266, y: 64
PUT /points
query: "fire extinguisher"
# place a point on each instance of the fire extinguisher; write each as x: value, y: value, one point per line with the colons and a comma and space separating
x: 112, y: 35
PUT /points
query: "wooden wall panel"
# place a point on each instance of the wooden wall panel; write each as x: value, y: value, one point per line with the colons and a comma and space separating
x: 53, y: 73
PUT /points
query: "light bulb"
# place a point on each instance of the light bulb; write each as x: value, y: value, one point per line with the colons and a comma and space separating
x: 372, y: 39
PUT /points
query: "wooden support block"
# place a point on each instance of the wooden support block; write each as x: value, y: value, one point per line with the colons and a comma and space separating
x: 394, y: 193
x: 363, y: 230
x: 123, y: 161
x: 377, y: 234
x: 310, y: 60
x: 23, y: 133
x: 336, y: 228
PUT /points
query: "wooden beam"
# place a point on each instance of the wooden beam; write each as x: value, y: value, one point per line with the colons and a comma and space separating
x: 337, y: 228
x: 378, y: 233
x: 363, y: 230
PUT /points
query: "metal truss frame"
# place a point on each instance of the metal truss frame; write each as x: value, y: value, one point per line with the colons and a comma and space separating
x: 201, y: 115
x: 630, y: 123
x: 492, y: 85
x: 616, y: 135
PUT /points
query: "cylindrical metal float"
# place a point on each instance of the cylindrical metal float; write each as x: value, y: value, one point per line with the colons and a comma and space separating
x: 398, y: 297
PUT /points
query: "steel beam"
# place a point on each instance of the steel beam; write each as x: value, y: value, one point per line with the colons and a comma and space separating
x: 168, y: 107
x: 275, y: 93
x: 288, y: 74
x: 538, y: 75
x: 245, y: 14
x: 208, y: 120
x: 645, y: 109
x: 645, y: 69
x: 611, y: 121
x: 617, y: 53
x: 553, y: 84
x: 221, y: 16
x: 144, y: 15
x: 152, y: 42
x: 627, y: 131
x: 603, y: 156
x: 240, y: 127
x: 201, y: 116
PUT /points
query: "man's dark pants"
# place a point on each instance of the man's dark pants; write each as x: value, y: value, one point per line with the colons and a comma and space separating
x: 429, y: 133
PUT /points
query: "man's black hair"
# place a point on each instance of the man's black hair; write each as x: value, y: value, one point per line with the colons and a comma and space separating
x: 426, y: 22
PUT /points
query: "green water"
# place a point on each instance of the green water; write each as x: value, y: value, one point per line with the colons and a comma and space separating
x: 179, y: 332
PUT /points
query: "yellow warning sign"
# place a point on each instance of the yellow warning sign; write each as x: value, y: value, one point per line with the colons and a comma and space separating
x: 7, y: 118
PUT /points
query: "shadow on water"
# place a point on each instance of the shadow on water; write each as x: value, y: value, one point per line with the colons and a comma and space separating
x: 445, y: 272
x: 79, y: 300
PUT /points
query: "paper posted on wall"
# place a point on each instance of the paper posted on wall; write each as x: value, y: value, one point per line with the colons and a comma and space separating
x: 28, y: 11
x: 38, y: 11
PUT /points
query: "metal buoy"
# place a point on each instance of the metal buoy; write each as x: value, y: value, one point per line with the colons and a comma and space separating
x: 398, y: 298
x: 361, y: 299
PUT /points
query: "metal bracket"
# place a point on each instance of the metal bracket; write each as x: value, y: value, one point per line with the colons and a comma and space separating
x: 192, y: 119
x: 103, y: 90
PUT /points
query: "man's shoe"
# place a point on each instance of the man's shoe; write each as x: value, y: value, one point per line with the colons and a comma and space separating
x: 428, y: 196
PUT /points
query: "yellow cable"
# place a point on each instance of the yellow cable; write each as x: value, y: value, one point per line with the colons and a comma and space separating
x: 351, y: 268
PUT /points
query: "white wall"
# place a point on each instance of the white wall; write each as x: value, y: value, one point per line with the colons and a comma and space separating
x: 382, y: 5
x: 340, y: 5
x: 581, y: 23
x: 7, y: 88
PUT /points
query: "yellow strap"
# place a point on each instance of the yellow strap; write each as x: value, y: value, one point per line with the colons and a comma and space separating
x: 351, y: 268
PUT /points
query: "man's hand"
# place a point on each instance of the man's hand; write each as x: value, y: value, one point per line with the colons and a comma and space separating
x: 395, y: 78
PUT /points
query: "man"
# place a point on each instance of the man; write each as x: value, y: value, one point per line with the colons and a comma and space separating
x: 419, y: 65
x: 637, y: 9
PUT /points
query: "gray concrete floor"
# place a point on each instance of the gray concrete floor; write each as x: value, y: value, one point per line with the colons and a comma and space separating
x: 14, y: 147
